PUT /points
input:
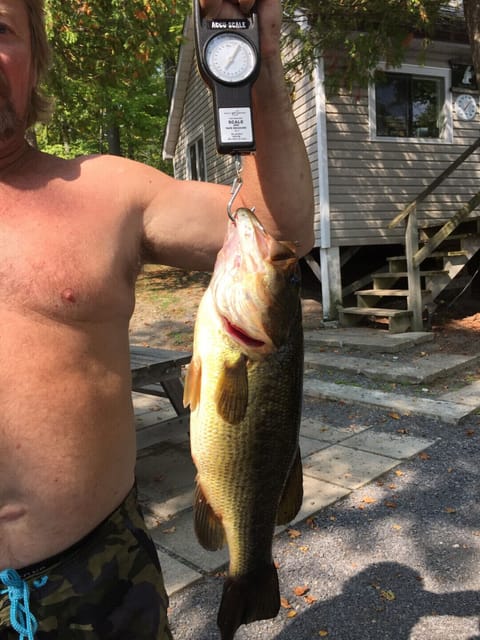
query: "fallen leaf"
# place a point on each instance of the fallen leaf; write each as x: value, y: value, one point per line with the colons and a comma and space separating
x: 394, y: 415
x: 304, y: 548
x: 397, y: 527
x: 301, y: 591
x: 390, y: 504
x: 386, y: 594
x: 369, y: 500
x: 294, y: 533
x: 399, y: 473
x: 292, y: 613
x: 310, y: 599
x: 450, y: 510
x: 171, y: 530
x: 323, y: 633
x: 470, y: 432
x: 285, y: 604
x: 403, y: 431
x: 424, y: 456
x: 392, y: 486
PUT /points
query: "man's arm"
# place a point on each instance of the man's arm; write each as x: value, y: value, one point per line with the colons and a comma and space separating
x: 185, y: 223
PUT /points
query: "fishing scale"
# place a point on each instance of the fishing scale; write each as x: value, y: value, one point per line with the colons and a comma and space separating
x: 228, y: 56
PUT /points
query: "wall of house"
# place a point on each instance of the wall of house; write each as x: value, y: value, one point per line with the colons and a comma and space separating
x: 198, y: 121
x: 371, y: 181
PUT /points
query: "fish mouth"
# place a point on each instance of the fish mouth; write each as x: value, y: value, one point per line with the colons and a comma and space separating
x: 239, y: 335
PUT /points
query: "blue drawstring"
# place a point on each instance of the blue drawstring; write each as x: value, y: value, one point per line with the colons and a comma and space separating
x: 21, y: 618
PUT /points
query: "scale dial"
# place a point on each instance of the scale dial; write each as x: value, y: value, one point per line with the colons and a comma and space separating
x: 466, y: 106
x: 230, y: 58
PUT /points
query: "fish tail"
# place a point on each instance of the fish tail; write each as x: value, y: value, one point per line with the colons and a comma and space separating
x: 254, y: 596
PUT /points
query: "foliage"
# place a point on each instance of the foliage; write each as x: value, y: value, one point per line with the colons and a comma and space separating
x: 354, y: 35
x: 110, y: 58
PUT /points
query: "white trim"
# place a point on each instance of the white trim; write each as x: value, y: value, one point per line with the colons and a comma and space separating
x: 436, y: 72
x: 322, y: 153
x: 323, y: 182
x: 185, y: 59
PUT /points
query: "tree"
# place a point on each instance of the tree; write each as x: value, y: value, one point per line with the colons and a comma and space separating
x: 471, y: 10
x: 108, y: 74
x: 354, y: 35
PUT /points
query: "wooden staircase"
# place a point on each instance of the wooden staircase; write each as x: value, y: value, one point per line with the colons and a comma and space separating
x: 388, y: 297
x: 433, y: 258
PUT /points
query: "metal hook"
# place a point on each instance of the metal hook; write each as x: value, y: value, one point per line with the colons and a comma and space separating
x: 236, y: 186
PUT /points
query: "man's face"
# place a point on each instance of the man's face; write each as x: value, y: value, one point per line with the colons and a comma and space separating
x: 16, y: 74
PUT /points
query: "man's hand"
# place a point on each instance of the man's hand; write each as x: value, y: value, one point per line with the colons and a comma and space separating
x: 269, y: 16
x: 226, y: 8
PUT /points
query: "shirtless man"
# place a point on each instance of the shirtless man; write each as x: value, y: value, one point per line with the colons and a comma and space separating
x: 75, y: 558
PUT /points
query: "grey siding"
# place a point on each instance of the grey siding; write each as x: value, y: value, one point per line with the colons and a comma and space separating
x: 197, y: 120
x: 371, y: 181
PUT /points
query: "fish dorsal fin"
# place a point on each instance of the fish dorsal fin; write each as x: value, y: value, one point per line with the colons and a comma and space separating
x: 292, y: 495
x: 193, y: 378
x: 231, y: 394
x: 208, y: 527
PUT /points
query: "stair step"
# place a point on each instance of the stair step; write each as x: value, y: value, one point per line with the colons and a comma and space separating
x: 404, y: 274
x: 399, y: 320
x: 435, y: 254
x: 376, y: 311
x: 384, y: 293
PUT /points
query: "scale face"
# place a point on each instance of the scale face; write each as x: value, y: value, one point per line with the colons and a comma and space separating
x: 228, y: 57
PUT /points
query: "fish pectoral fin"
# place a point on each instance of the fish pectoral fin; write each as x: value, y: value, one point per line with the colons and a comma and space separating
x: 193, y: 378
x: 231, y: 395
x: 208, y: 527
x: 254, y: 596
x: 292, y: 495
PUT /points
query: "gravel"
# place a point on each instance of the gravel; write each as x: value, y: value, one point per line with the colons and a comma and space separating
x: 397, y: 559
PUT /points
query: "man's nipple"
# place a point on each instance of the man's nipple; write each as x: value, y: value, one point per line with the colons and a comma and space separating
x: 68, y: 295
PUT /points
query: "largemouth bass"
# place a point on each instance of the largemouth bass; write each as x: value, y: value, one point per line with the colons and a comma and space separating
x: 244, y: 388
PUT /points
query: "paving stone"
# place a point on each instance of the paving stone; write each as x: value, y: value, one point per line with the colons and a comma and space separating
x: 176, y: 575
x: 321, y: 431
x: 388, y: 444
x: 164, y: 510
x: 347, y: 467
x: 166, y: 479
x: 373, y: 340
x: 310, y: 445
x: 163, y: 434
x: 150, y: 418
x: 449, y: 412
x: 178, y: 537
x: 143, y: 403
x: 317, y: 495
x: 469, y: 395
x: 422, y: 371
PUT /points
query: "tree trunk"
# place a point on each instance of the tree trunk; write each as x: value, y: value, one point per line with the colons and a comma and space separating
x: 113, y: 137
x: 471, y: 9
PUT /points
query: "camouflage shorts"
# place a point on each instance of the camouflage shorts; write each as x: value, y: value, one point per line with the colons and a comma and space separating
x: 109, y: 586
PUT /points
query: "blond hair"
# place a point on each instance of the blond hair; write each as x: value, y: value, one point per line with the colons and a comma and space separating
x: 40, y: 106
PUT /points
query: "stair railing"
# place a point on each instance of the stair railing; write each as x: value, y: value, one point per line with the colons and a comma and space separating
x: 416, y: 255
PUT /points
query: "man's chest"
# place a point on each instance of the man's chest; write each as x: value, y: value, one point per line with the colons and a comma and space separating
x: 67, y: 267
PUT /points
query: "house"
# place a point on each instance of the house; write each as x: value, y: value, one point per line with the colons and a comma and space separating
x: 371, y: 154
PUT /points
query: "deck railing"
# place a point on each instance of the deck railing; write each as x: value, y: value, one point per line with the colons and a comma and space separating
x: 415, y: 254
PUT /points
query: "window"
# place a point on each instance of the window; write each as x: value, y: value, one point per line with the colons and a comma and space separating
x: 411, y: 105
x: 196, y: 160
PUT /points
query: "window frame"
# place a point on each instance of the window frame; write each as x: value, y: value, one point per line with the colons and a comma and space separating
x: 193, y: 141
x: 446, y: 135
